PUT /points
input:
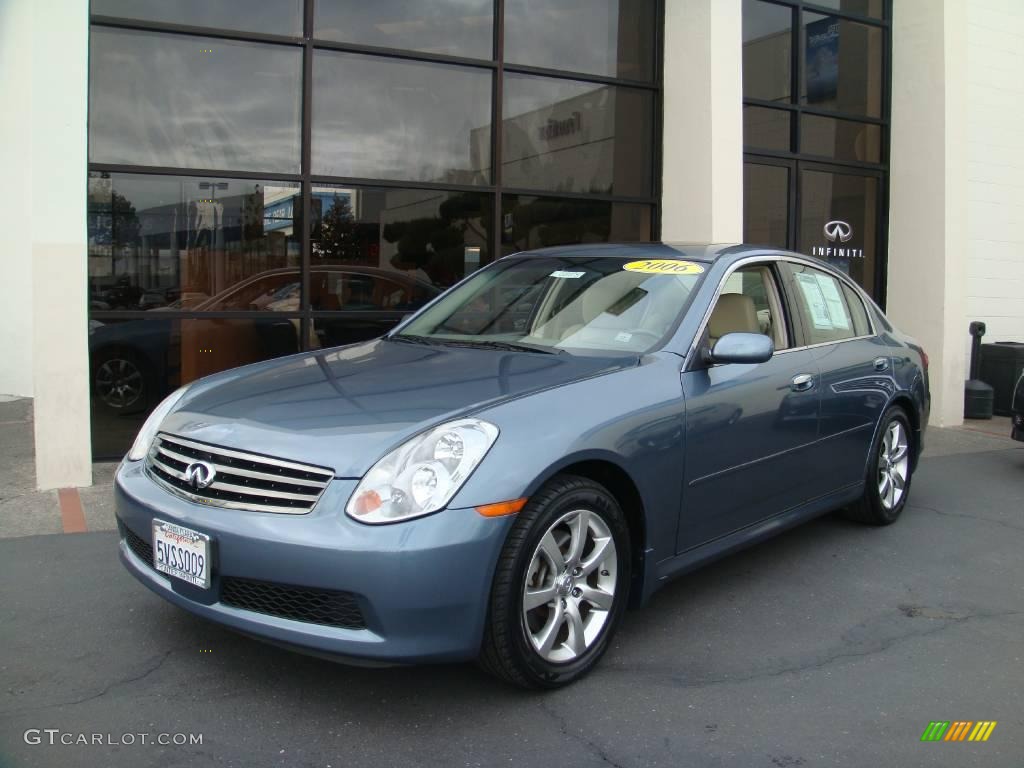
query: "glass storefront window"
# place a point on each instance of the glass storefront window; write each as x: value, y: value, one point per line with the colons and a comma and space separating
x: 133, y: 364
x: 765, y: 204
x: 767, y: 51
x: 842, y: 65
x: 453, y: 27
x: 819, y: 155
x: 536, y: 222
x: 849, y: 198
x: 572, y: 136
x: 840, y: 139
x: 191, y: 243
x: 279, y: 17
x: 872, y: 8
x: 426, y: 239
x: 766, y: 128
x: 415, y: 121
x: 599, y: 37
x: 193, y: 102
x: 204, y: 180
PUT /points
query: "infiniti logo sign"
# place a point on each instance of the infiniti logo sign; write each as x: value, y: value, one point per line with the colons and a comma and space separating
x: 841, y: 231
x: 838, y: 229
x: 199, y: 474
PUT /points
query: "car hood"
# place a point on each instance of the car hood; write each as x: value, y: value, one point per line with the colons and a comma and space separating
x: 344, y: 408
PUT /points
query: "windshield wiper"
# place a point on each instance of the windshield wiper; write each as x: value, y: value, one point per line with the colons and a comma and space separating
x: 410, y: 338
x: 509, y: 346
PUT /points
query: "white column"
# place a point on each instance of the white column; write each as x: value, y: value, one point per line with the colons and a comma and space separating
x: 702, y: 146
x: 15, y: 199
x: 59, y: 77
x: 926, y: 295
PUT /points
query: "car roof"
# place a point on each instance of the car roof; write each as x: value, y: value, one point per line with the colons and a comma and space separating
x: 704, y: 252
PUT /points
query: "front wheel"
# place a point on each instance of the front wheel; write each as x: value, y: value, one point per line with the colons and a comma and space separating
x: 889, y: 472
x: 560, y: 586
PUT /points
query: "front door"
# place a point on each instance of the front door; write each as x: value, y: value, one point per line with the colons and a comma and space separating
x: 747, y: 425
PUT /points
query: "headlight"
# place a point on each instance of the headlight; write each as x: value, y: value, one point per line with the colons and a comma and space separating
x: 149, y: 429
x: 422, y: 474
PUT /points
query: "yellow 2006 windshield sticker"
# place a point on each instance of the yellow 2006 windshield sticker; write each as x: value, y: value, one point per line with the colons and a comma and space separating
x: 664, y: 267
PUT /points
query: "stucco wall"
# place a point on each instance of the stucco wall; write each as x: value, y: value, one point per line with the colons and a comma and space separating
x: 995, y: 168
x: 15, y: 199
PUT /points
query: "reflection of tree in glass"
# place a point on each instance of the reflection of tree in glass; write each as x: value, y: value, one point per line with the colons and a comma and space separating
x: 338, y: 241
x: 544, y: 222
x: 252, y: 218
x: 436, y: 245
x: 124, y: 220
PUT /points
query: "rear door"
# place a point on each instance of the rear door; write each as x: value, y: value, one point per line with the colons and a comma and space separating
x: 855, y: 367
x: 747, y: 426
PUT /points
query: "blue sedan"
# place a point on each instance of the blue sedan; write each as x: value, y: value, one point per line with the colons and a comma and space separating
x: 546, y: 443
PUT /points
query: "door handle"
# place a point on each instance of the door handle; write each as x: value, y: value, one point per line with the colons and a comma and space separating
x: 881, y: 363
x: 802, y: 382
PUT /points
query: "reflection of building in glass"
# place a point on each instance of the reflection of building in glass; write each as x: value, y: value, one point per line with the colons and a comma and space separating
x: 185, y: 240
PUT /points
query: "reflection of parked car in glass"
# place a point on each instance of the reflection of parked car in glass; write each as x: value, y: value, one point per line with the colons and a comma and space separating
x: 1017, y: 411
x: 134, y: 361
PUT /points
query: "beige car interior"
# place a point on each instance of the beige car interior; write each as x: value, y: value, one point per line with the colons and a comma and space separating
x: 621, y: 292
x: 737, y: 309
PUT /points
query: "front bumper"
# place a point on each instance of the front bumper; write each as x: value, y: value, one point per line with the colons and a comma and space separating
x: 422, y: 586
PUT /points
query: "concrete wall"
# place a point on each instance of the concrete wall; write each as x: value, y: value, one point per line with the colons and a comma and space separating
x: 928, y: 196
x: 702, y: 146
x: 16, y: 198
x: 995, y: 168
x: 56, y: 228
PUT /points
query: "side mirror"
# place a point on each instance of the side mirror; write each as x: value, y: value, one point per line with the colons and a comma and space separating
x: 743, y: 348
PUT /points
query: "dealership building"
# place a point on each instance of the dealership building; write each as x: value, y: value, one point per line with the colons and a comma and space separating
x: 200, y: 185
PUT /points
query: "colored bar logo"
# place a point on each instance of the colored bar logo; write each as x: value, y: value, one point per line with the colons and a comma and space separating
x: 959, y: 730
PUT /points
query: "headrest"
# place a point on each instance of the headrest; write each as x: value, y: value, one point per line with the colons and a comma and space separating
x: 733, y: 313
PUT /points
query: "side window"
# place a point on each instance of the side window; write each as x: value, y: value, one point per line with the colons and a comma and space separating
x: 749, y: 303
x: 823, y: 306
x: 861, y: 326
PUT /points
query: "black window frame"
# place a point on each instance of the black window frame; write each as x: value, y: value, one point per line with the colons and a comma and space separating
x: 796, y: 161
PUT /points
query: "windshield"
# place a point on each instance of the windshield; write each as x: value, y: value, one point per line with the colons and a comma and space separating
x: 552, y: 304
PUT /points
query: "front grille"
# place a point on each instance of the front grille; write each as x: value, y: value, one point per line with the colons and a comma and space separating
x: 242, y: 480
x: 314, y: 606
x: 140, y: 548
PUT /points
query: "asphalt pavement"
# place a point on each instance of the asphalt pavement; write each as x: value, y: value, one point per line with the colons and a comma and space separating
x: 832, y: 644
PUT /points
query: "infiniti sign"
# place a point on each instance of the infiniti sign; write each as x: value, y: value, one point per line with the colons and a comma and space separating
x: 840, y: 229
x: 834, y: 230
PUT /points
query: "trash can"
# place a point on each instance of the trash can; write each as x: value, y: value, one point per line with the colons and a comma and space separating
x: 1001, y: 365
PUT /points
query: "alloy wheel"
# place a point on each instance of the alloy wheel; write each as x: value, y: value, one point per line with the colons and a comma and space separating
x: 570, y: 586
x: 893, y: 464
x: 119, y: 382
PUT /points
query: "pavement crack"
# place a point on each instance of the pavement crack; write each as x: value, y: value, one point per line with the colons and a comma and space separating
x: 563, y: 727
x: 831, y: 658
x: 153, y: 667
x: 946, y: 513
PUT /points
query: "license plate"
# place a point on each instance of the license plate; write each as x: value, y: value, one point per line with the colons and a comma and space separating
x: 182, y: 553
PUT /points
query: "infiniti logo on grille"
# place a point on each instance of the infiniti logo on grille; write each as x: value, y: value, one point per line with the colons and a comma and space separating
x: 199, y: 474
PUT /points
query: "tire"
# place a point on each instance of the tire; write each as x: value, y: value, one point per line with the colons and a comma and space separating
x: 513, y: 647
x: 883, y: 501
x: 122, y: 381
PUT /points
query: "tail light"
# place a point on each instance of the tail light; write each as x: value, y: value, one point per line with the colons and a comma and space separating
x: 924, y: 360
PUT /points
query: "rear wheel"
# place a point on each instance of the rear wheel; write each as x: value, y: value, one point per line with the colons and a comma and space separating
x: 560, y: 586
x: 889, y: 472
